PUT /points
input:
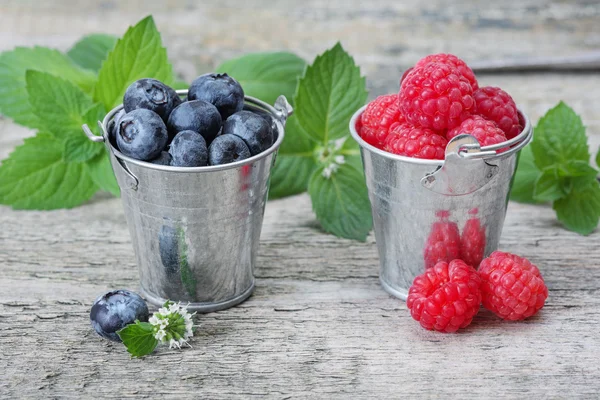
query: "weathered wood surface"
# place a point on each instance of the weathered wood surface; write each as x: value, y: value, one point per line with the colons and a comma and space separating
x: 319, y: 325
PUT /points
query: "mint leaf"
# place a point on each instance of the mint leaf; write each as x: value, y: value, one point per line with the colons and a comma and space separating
x: 330, y: 91
x: 139, y: 54
x: 549, y: 186
x: 580, y: 210
x: 14, y: 101
x: 576, y: 168
x: 559, y: 138
x: 102, y: 174
x: 525, y: 177
x: 138, y: 338
x: 78, y: 148
x: 295, y: 162
x: 341, y: 202
x: 35, y: 176
x: 91, y: 50
x: 266, y: 75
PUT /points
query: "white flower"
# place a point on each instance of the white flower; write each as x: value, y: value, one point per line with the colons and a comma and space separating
x: 154, y: 320
x: 329, y: 170
x: 160, y: 335
x: 340, y: 160
x: 339, y: 143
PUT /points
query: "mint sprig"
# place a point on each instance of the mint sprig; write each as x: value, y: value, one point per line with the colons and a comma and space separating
x: 555, y: 168
x: 91, y: 50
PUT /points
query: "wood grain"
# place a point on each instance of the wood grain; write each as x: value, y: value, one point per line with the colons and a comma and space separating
x: 319, y: 325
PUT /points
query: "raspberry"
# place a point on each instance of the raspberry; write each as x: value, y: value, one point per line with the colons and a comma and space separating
x: 472, y: 242
x: 408, y: 140
x: 378, y: 117
x: 486, y: 132
x: 443, y: 243
x: 512, y: 287
x: 496, y: 105
x: 452, y: 61
x: 436, y: 96
x: 446, y: 297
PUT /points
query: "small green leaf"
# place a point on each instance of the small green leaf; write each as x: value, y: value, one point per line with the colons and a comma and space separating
x: 549, y: 186
x: 102, y: 174
x: 559, y: 138
x: 35, y: 176
x: 341, y: 202
x: 14, y: 101
x: 266, y: 75
x: 139, y: 54
x: 58, y: 103
x: 525, y: 177
x: 330, y: 91
x: 575, y: 168
x: 138, y: 338
x: 295, y: 162
x: 580, y: 210
x: 91, y: 50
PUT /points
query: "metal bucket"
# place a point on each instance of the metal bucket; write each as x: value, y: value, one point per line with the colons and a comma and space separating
x: 425, y: 211
x: 195, y: 231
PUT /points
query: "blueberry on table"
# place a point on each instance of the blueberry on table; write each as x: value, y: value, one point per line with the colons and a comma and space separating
x: 226, y: 149
x: 116, y: 309
x: 163, y: 159
x: 252, y: 128
x: 196, y: 115
x: 188, y: 149
x: 221, y: 90
x: 152, y: 95
x: 141, y: 134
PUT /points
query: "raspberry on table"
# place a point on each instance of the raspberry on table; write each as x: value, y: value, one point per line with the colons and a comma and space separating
x: 443, y: 243
x: 496, y: 105
x: 446, y: 297
x: 453, y: 61
x: 512, y: 287
x: 486, y: 132
x: 411, y: 141
x: 472, y: 242
x: 436, y: 96
x: 378, y: 117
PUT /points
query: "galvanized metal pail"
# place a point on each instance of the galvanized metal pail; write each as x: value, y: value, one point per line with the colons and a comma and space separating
x: 195, y: 231
x: 425, y: 211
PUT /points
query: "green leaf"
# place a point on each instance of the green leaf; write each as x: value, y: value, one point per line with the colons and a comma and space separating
x: 139, y: 54
x: 102, y: 174
x: 576, y: 168
x: 525, y: 177
x: 91, y: 50
x: 179, y: 84
x: 580, y: 210
x: 341, y: 202
x: 266, y: 75
x: 35, y: 176
x: 14, y: 102
x: 138, y: 338
x: 549, y: 186
x: 295, y: 162
x: 78, y: 148
x: 330, y: 91
x: 559, y: 138
x: 58, y: 103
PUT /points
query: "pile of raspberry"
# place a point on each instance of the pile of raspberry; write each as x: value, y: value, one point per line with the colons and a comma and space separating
x: 448, y: 295
x: 439, y: 99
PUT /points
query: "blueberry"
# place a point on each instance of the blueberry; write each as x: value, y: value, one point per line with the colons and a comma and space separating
x: 141, y: 134
x: 226, y: 149
x: 188, y: 149
x: 198, y: 116
x: 152, y: 95
x: 116, y: 309
x: 112, y: 127
x: 163, y: 159
x: 221, y: 90
x: 252, y: 128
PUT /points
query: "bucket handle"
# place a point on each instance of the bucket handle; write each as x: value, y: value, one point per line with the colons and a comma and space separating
x: 133, y: 180
x: 463, y: 171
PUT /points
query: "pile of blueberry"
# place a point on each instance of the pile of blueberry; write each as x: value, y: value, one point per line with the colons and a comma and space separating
x: 210, y: 127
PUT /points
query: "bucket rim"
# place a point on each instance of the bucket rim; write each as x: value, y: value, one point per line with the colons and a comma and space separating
x: 487, y: 152
x: 250, y: 101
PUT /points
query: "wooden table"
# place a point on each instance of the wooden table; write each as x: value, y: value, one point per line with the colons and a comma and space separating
x: 319, y: 325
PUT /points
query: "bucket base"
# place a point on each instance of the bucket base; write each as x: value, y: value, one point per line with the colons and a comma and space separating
x: 202, y: 307
x: 402, y: 294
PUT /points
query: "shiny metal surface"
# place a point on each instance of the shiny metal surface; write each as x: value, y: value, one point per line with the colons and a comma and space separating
x: 195, y: 231
x: 416, y: 202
